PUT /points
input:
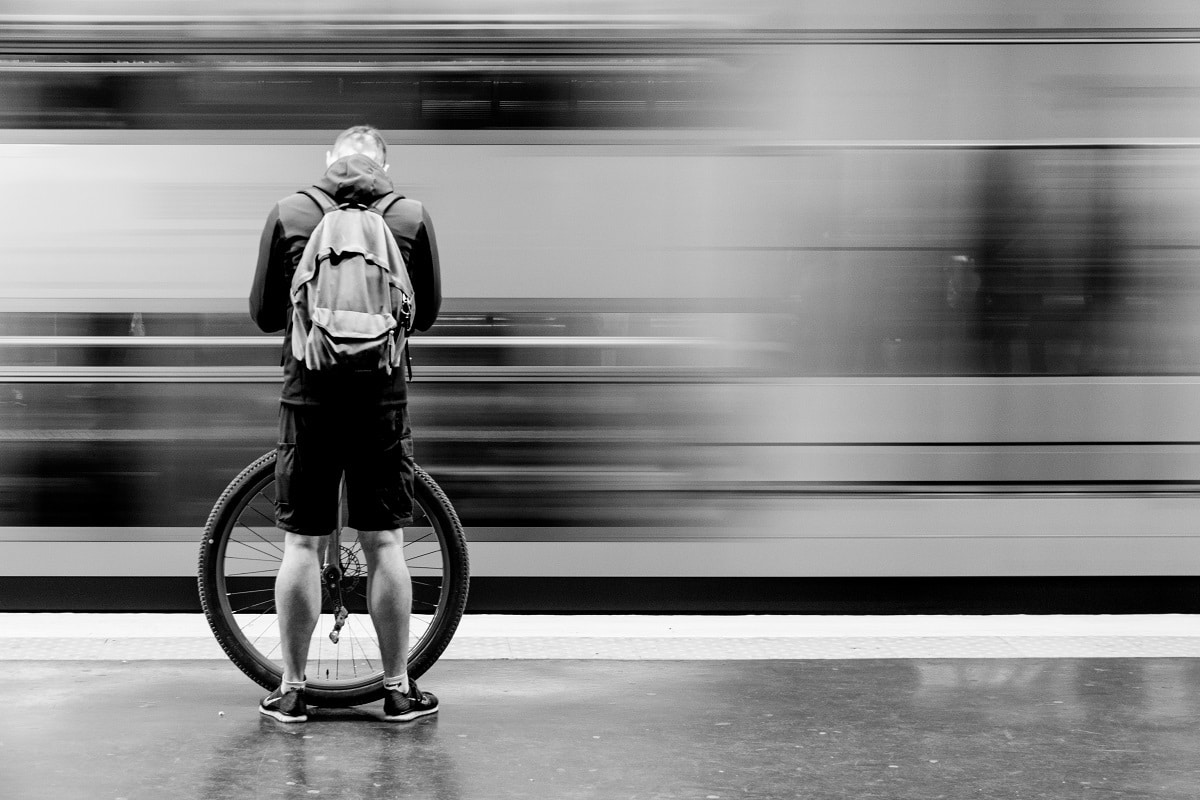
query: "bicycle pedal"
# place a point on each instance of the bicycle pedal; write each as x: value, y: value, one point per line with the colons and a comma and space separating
x: 339, y: 619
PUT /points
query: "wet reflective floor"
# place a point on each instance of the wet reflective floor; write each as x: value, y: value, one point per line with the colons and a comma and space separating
x: 896, y: 728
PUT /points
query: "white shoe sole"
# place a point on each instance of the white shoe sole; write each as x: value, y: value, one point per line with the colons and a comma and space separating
x: 410, y: 715
x: 279, y: 715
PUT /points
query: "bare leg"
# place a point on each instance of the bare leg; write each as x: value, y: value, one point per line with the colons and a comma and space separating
x: 298, y: 599
x: 389, y: 596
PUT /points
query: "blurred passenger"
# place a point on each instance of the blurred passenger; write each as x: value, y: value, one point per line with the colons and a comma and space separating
x: 335, y: 422
x: 1006, y: 257
x: 960, y: 288
x: 1107, y: 275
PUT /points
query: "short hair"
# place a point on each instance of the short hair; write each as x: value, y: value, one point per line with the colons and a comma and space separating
x: 359, y: 138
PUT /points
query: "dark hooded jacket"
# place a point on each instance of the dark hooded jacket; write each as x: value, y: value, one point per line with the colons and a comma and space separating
x: 288, y: 228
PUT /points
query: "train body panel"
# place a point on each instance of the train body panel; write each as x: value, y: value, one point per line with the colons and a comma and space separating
x: 152, y: 222
x: 791, y: 291
x: 783, y: 536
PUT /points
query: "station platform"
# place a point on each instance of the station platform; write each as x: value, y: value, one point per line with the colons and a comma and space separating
x: 131, y: 706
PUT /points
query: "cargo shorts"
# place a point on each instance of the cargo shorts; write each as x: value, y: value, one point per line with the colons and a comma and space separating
x: 372, y: 447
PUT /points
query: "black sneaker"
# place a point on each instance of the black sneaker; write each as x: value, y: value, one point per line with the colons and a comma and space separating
x: 401, y: 707
x: 285, y: 706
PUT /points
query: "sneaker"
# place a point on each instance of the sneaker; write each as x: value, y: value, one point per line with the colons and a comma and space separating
x: 286, y: 706
x: 401, y: 707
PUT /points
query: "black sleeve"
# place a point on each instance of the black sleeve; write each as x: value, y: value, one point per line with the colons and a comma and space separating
x: 426, y: 275
x: 268, y: 293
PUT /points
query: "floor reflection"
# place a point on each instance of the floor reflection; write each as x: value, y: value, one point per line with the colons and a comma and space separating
x: 338, y: 753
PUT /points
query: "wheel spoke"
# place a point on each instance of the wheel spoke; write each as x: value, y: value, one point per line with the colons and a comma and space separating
x: 427, y: 625
x: 249, y: 546
x: 246, y: 558
x: 423, y: 538
x: 249, y: 591
x: 320, y: 645
x: 257, y: 617
x: 264, y: 632
x: 251, y: 572
x: 363, y: 649
x: 268, y: 602
x: 350, y: 641
x: 367, y: 632
x: 270, y: 518
x: 260, y: 536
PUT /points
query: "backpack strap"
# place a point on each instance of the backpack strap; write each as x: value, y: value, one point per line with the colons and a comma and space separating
x: 387, y: 201
x: 381, y: 206
x: 324, y: 202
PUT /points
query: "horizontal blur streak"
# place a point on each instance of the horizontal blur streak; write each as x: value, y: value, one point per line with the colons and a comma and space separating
x: 1034, y: 261
x: 764, y: 272
x: 562, y: 428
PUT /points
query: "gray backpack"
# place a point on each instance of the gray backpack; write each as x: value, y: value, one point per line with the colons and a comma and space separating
x: 352, y: 298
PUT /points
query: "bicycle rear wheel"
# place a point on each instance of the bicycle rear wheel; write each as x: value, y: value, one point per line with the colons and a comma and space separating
x: 239, y: 559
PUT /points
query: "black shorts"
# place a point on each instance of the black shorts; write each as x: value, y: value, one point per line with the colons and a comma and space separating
x: 372, y: 446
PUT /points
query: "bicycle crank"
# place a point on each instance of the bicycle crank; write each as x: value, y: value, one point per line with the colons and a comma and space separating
x: 332, y: 576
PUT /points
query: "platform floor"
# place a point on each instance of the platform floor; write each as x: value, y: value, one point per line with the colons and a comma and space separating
x: 1118, y: 725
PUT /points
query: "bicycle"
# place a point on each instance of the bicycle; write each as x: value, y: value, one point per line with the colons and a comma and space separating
x: 239, y: 558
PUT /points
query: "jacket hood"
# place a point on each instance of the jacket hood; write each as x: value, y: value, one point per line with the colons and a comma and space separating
x: 355, y: 178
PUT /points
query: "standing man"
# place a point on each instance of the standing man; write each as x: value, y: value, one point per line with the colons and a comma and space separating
x: 356, y: 424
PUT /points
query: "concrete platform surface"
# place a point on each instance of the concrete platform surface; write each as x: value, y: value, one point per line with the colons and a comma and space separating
x: 711, y: 730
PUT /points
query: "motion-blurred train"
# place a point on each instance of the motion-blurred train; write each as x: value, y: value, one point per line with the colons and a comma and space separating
x: 777, y: 305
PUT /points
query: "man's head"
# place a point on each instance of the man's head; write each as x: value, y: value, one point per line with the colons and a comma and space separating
x: 360, y: 139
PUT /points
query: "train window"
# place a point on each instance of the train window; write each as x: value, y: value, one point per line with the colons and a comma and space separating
x: 523, y: 103
x: 1030, y: 261
x: 298, y: 96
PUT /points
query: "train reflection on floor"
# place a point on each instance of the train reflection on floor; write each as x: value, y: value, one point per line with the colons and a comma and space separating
x: 896, y: 729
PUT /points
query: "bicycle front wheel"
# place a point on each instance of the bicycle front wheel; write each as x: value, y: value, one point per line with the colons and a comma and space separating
x: 239, y: 559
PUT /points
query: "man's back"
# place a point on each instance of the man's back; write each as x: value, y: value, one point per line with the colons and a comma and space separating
x: 354, y: 178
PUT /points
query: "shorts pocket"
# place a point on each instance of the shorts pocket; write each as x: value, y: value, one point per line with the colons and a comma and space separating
x: 397, y: 435
x: 286, y: 456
